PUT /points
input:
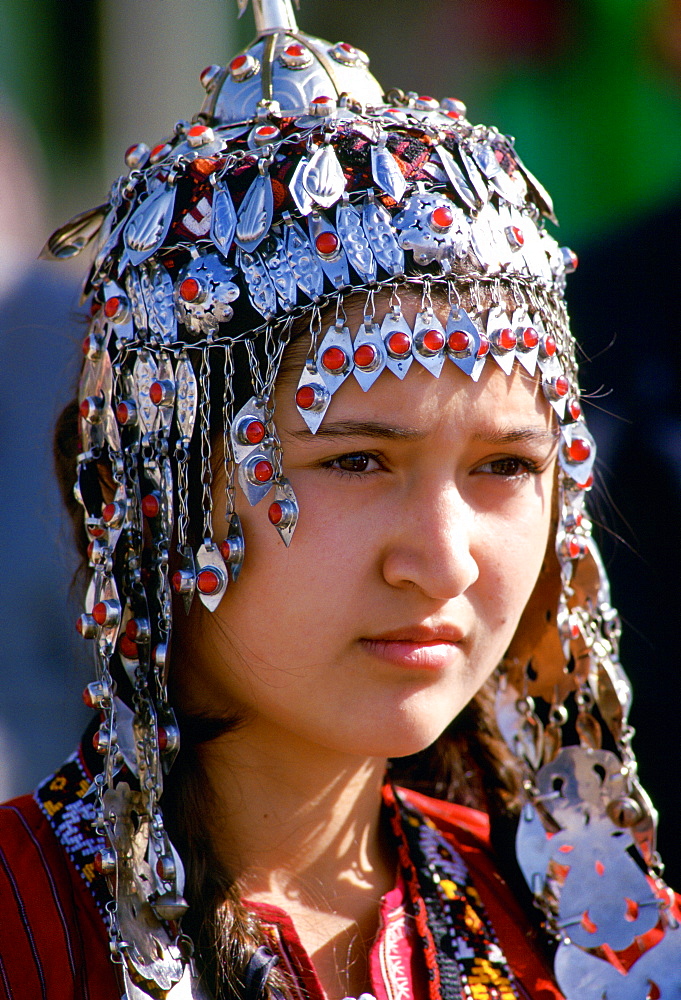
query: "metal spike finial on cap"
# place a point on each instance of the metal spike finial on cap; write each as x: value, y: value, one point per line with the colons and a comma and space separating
x: 271, y: 15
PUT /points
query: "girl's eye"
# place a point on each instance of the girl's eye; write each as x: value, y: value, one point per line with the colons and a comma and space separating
x: 356, y: 462
x: 510, y: 468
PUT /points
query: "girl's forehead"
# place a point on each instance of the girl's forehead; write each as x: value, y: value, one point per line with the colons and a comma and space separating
x: 418, y: 404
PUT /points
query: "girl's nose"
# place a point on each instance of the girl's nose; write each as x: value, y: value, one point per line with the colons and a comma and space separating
x: 431, y: 543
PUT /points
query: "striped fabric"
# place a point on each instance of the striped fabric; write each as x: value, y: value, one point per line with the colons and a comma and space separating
x: 53, y: 943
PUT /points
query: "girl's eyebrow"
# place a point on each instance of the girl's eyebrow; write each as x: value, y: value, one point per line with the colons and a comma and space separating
x: 501, y: 436
x: 389, y: 432
x: 362, y: 428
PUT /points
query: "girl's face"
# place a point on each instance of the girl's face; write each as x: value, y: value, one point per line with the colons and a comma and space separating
x: 425, y: 510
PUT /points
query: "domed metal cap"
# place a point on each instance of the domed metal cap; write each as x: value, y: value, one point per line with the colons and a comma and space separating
x: 285, y: 66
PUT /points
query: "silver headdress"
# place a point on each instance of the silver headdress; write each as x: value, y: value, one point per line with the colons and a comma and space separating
x: 297, y: 184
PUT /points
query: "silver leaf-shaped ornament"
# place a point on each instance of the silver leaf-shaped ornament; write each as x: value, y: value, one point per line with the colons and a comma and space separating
x: 186, y: 396
x: 429, y: 341
x: 334, y: 264
x: 256, y: 475
x: 157, y: 292
x: 313, y: 403
x: 386, y: 173
x: 303, y: 261
x: 377, y: 225
x: 297, y: 190
x: 261, y: 290
x: 148, y: 225
x: 223, y: 218
x: 461, y: 327
x: 232, y: 548
x: 336, y: 345
x: 144, y: 373
x: 277, y: 265
x: 211, y: 575
x: 476, y: 179
x: 247, y: 429
x: 323, y: 177
x: 527, y: 338
x: 255, y: 214
x: 355, y: 243
x: 369, y: 338
x: 133, y: 287
x: 283, y: 512
x: 457, y: 178
x: 74, y: 235
x: 394, y: 323
x: 498, y: 321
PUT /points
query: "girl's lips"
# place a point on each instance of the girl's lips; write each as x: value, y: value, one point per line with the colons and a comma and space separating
x: 423, y: 654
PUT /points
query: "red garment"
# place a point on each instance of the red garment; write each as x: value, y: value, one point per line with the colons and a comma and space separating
x: 53, y: 941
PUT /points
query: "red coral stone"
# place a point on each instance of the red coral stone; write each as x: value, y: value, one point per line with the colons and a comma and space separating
x: 151, y: 505
x: 459, y: 341
x: 518, y: 235
x: 365, y: 355
x: 100, y: 613
x: 549, y: 346
x: 334, y: 359
x: 109, y: 512
x: 263, y: 471
x: 399, y: 343
x: 128, y: 648
x: 162, y: 742
x: 321, y: 100
x: 483, y: 349
x: 305, y: 397
x: 530, y: 337
x: 327, y: 244
x: 346, y: 47
x: 433, y: 340
x: 579, y: 450
x: 275, y: 512
x: 156, y: 392
x: 575, y: 548
x: 125, y: 413
x: 442, y: 217
x: 238, y: 63
x: 575, y: 409
x: 197, y: 130
x: 295, y: 50
x: 111, y: 306
x: 189, y: 289
x: 562, y: 385
x: 208, y: 581
x: 255, y: 431
x: 587, y: 485
x: 267, y: 130
x: 506, y: 338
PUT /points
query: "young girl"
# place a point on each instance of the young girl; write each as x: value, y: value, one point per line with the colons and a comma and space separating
x: 346, y: 306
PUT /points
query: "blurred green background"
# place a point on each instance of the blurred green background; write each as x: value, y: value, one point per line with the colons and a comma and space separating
x: 592, y: 87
